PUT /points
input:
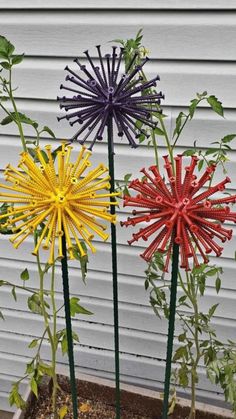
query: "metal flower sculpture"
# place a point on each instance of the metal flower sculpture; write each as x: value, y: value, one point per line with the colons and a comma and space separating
x: 104, y: 94
x: 64, y: 201
x: 178, y: 213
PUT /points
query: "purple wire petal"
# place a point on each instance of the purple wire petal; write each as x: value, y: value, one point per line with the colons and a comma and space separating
x: 104, y: 94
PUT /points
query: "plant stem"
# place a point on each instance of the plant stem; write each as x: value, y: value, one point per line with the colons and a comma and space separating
x: 10, y: 284
x: 47, y: 327
x: 168, y: 144
x: 154, y: 141
x: 194, y: 301
x: 180, y: 131
x: 18, y: 121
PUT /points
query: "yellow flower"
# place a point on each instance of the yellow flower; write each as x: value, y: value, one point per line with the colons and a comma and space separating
x: 65, y: 199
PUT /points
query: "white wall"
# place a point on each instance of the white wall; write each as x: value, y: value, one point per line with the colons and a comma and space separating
x: 193, y: 49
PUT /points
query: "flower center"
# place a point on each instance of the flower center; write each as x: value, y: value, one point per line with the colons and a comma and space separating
x: 182, y: 204
x: 60, y: 199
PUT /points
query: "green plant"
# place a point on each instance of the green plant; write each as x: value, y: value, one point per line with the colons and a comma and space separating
x: 197, y: 340
x: 222, y: 371
x: 41, y: 301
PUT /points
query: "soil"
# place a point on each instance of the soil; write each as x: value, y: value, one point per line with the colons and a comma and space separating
x: 97, y: 402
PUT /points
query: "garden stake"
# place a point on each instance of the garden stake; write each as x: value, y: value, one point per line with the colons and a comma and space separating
x: 171, y: 328
x: 178, y: 215
x: 66, y: 292
x: 106, y: 97
x: 114, y: 268
x: 70, y: 206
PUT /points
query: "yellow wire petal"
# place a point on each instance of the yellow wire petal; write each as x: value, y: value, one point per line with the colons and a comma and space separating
x: 61, y: 196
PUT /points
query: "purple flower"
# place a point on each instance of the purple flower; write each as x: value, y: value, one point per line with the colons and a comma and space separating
x: 101, y: 94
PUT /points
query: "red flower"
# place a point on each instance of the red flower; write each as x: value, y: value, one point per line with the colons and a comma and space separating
x: 178, y: 214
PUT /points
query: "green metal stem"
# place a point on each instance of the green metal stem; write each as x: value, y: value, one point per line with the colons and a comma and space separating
x: 114, y: 269
x: 171, y: 328
x: 65, y: 277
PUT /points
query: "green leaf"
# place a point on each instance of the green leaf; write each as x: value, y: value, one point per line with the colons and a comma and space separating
x: 182, y: 299
x: 178, y: 123
x: 34, y: 304
x: 218, y: 284
x: 182, y: 337
x: 189, y: 152
x: 34, y: 386
x: 192, y: 107
x: 180, y: 353
x: 200, y: 164
x: 83, y: 259
x: 4, y: 98
x: 216, y: 105
x: 15, y: 397
x: 64, y: 344
x: 5, y: 65
x: 158, y: 131
x: 54, y: 153
x: 1, y: 316
x: 202, y: 284
x: 6, y: 48
x: 49, y: 131
x: 13, y: 291
x: 30, y: 367
x: 33, y: 343
x: 141, y: 138
x: 25, y: 275
x: 212, y: 272
x: 212, y: 310
x: 22, y: 117
x: 228, y: 138
x: 211, y: 151
x: 4, y: 55
x: 127, y: 177
x: 76, y: 308
x: 183, y: 375
x: 17, y: 59
x: 46, y: 369
x: 199, y: 269
x: 7, y: 120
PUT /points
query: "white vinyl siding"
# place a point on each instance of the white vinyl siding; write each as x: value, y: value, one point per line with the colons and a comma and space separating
x: 192, y: 45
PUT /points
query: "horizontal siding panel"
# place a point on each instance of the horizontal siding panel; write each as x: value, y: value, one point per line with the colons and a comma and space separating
x: 149, y: 368
x: 97, y: 337
x: 114, y: 5
x: 41, y: 79
x: 6, y: 382
x: 5, y: 404
x: 204, y: 128
x: 123, y: 234
x: 140, y: 317
x: 128, y: 262
x: 99, y: 283
x: 94, y: 332
x: 203, y: 35
x: 141, y: 157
